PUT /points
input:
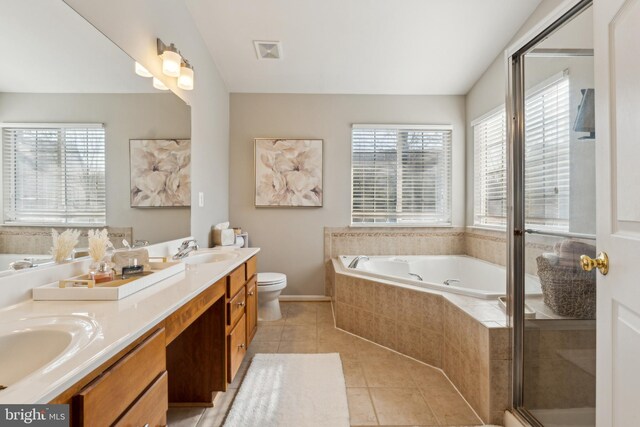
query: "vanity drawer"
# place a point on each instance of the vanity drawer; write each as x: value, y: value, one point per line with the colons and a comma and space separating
x: 251, y: 267
x: 236, y: 348
x: 151, y: 408
x: 109, y: 395
x: 236, y: 307
x: 235, y: 281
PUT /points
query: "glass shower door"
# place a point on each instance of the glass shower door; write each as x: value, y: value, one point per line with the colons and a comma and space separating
x: 556, y: 196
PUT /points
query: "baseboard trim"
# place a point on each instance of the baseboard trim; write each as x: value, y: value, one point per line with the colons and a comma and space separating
x: 290, y: 298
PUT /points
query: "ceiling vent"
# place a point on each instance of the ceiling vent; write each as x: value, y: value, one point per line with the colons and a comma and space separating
x: 268, y: 50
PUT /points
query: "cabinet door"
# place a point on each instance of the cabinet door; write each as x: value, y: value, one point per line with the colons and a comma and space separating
x: 252, y: 309
x: 236, y: 348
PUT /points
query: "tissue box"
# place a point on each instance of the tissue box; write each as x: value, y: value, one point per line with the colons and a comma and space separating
x: 224, y: 237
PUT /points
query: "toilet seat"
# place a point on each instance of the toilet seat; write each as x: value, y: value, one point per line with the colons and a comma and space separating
x: 266, y: 279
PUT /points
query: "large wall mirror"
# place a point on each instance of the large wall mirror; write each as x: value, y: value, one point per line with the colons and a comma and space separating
x: 70, y: 107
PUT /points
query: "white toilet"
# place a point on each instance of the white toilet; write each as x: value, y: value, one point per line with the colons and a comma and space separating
x: 269, y: 287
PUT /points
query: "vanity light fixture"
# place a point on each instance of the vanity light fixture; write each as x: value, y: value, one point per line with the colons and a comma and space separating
x: 175, y: 65
x: 141, y: 71
x: 185, y: 81
x: 159, y: 85
x: 171, y: 58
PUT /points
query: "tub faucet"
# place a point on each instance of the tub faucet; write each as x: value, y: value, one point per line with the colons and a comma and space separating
x: 448, y: 282
x: 356, y: 261
x: 417, y: 276
x: 186, y: 248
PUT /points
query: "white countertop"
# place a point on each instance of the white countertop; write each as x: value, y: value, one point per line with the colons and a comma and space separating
x: 119, y: 324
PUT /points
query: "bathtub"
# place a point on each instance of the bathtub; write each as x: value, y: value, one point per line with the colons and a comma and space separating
x: 465, y: 275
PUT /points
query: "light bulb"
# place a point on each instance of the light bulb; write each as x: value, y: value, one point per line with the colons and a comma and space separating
x: 185, y: 81
x: 142, y: 72
x: 159, y: 85
x: 171, y: 60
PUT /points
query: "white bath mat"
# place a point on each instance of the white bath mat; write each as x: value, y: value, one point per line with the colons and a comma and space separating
x: 291, y: 390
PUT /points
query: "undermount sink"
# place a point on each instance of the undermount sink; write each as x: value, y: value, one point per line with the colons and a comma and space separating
x: 39, y: 344
x: 212, y: 256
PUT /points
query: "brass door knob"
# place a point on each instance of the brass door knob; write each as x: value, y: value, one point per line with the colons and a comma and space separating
x: 601, y: 262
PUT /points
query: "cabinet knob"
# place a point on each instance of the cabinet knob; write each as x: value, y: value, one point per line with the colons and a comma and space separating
x: 242, y: 345
x: 251, y: 293
x: 241, y: 304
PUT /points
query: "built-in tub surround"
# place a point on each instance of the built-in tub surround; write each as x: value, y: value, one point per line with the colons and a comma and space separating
x: 466, y: 337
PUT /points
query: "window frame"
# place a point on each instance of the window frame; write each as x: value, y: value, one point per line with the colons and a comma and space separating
x: 406, y: 127
x: 58, y: 127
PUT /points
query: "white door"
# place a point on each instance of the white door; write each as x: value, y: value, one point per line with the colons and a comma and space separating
x: 617, y: 76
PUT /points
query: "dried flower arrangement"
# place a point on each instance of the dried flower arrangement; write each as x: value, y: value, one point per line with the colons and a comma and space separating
x: 63, y: 244
x: 99, y: 243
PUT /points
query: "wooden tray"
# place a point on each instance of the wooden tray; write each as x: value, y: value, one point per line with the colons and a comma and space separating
x: 87, y: 290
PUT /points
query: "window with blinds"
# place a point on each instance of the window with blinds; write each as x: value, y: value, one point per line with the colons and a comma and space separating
x: 54, y: 174
x: 401, y: 175
x: 490, y: 169
x: 547, y: 136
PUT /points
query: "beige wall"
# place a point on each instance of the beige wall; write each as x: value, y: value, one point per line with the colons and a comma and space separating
x: 125, y: 116
x: 292, y: 239
x: 134, y: 26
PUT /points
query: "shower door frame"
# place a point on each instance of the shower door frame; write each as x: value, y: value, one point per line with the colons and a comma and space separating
x: 516, y: 227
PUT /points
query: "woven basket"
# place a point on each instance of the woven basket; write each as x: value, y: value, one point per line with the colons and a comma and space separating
x: 568, y: 291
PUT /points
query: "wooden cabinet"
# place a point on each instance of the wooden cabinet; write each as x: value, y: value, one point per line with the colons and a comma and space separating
x: 184, y: 359
x: 252, y: 308
x: 150, y: 409
x: 106, y: 398
x: 236, y: 306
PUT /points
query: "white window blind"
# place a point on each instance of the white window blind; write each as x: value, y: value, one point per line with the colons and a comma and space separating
x: 547, y: 136
x: 54, y: 174
x: 401, y: 175
x: 490, y: 169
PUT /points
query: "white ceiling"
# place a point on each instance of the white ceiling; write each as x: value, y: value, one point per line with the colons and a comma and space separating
x: 358, y: 46
x: 48, y: 48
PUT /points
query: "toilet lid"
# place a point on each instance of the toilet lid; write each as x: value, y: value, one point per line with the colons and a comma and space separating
x: 270, y: 278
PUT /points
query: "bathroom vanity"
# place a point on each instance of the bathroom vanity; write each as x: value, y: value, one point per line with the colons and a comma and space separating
x: 178, y: 342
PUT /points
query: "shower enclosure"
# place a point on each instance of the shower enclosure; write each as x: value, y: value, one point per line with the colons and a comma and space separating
x: 551, y: 153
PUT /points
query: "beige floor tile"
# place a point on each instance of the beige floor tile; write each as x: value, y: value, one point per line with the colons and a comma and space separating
x: 353, y: 373
x: 427, y: 377
x: 261, y: 347
x: 242, y: 370
x: 361, y: 410
x: 298, y: 347
x: 304, y: 317
x: 299, y: 333
x: 325, y: 317
x: 385, y: 373
x: 370, y: 351
x: 401, y: 406
x: 214, y: 417
x: 449, y: 407
x: 268, y: 333
x: 184, y: 417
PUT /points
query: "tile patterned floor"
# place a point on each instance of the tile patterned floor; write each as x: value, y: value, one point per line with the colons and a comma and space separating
x: 383, y: 387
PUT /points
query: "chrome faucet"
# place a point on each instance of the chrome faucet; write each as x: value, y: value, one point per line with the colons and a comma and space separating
x: 448, y: 282
x: 356, y: 261
x: 417, y: 276
x: 140, y: 243
x: 186, y: 248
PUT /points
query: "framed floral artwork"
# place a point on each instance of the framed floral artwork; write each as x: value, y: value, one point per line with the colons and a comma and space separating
x: 160, y: 172
x: 288, y: 172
